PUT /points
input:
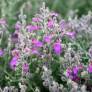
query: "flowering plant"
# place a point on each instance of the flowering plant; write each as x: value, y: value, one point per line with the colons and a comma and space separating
x: 48, y: 54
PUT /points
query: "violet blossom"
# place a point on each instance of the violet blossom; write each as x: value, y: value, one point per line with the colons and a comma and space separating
x: 75, y: 70
x: 13, y: 63
x: 64, y: 25
x: 25, y: 67
x: 47, y: 39
x: 1, y: 52
x: 57, y: 48
x: 34, y: 51
x: 37, y: 43
x: 50, y: 24
x: 18, y: 26
x: 14, y: 37
x: 31, y: 28
x: 72, y: 73
x: 69, y: 73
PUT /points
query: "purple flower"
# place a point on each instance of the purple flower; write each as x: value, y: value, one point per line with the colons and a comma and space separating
x: 13, y: 63
x: 34, y: 51
x: 25, y: 67
x: 18, y: 26
x: 31, y: 28
x: 69, y: 73
x: 71, y: 34
x: 50, y: 23
x: 14, y: 37
x: 1, y: 52
x: 57, y: 48
x: 75, y: 70
x: 47, y: 39
x: 37, y: 43
x: 90, y: 68
x: 36, y: 19
x: 72, y: 73
x: 3, y: 22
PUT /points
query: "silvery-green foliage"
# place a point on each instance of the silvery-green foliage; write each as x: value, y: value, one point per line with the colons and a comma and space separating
x: 49, y: 82
x: 71, y: 57
x: 22, y: 87
x: 74, y: 87
x: 9, y: 89
x: 82, y: 25
x: 46, y: 76
x: 37, y: 89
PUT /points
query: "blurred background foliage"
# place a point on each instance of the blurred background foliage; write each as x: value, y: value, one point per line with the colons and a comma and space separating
x: 11, y: 8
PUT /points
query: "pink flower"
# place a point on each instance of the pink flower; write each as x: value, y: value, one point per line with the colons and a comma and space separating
x: 25, y: 67
x: 13, y: 63
x: 57, y: 48
x: 50, y: 24
x: 31, y: 28
x: 35, y: 19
